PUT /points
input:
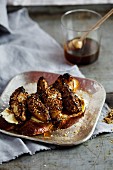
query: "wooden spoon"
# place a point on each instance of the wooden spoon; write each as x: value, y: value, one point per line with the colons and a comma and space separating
x: 78, y: 42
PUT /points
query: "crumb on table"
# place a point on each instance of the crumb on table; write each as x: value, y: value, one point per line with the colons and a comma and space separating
x: 109, y: 118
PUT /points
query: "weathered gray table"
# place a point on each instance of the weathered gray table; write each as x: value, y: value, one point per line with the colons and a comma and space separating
x: 93, y: 154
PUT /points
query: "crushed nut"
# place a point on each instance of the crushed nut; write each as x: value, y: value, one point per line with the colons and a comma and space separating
x: 109, y: 118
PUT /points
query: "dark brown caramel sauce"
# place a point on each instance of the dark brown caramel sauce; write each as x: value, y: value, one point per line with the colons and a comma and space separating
x: 86, y: 55
x: 4, y: 125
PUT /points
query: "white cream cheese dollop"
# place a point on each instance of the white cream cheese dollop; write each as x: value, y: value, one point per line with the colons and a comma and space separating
x: 9, y: 116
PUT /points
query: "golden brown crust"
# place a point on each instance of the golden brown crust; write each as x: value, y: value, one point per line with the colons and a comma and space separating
x: 18, y: 103
x: 51, y: 98
x: 37, y: 108
x: 71, y: 103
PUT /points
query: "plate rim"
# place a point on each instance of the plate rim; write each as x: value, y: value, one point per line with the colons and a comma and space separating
x: 48, y: 142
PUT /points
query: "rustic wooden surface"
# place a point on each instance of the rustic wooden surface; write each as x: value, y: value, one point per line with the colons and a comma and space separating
x: 95, y: 154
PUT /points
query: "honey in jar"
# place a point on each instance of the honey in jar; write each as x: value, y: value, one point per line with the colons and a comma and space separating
x: 87, y: 54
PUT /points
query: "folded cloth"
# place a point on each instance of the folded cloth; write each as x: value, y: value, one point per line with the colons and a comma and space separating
x: 27, y: 47
x: 4, y: 27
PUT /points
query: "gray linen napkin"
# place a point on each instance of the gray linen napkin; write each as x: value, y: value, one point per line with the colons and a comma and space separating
x: 4, y: 27
x: 27, y: 47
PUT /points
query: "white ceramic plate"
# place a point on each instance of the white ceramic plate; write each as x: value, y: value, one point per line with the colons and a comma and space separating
x: 93, y: 93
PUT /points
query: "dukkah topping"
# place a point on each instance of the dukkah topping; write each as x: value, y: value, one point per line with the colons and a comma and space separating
x: 52, y: 107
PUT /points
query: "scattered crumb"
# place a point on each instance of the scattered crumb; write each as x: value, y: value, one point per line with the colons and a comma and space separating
x: 111, y: 140
x: 109, y: 118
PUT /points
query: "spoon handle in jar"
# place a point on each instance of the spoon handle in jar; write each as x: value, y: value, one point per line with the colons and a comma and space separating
x: 98, y: 23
